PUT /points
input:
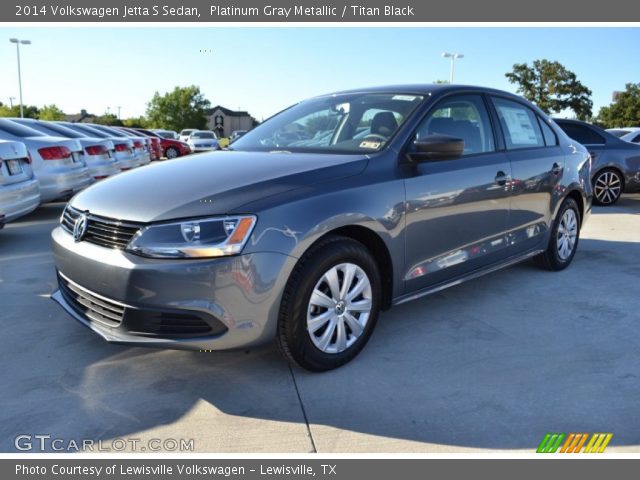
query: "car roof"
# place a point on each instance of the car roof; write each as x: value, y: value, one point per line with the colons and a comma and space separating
x: 422, y: 89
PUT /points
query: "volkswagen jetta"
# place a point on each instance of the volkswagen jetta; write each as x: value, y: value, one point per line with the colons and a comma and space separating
x: 312, y: 223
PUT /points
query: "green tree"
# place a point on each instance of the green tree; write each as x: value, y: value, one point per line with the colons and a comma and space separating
x: 108, y: 119
x: 184, y: 107
x: 624, y: 111
x: 552, y: 87
x: 30, y: 111
x: 51, y: 112
x: 135, y: 122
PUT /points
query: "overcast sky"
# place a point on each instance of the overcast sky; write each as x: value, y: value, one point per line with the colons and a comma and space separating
x: 263, y: 70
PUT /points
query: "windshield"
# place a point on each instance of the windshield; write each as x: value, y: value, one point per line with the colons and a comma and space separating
x: 202, y: 135
x: 349, y: 123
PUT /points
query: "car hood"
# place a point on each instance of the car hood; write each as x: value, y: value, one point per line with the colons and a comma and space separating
x: 210, y: 184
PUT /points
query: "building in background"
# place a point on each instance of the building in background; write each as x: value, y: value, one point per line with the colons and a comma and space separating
x: 82, y: 117
x: 224, y: 121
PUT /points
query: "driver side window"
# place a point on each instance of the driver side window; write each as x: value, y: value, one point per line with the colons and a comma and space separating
x: 461, y: 116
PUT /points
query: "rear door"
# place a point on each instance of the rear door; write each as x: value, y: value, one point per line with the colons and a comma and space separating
x: 457, y: 210
x: 537, y: 165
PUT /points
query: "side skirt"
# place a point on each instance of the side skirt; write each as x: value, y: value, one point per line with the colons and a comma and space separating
x: 465, y: 278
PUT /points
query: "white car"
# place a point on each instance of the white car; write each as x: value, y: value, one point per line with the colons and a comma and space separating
x: 184, y: 134
x: 57, y: 162
x: 633, y: 136
x: 99, y: 153
x: 624, y: 132
x: 19, y: 189
x: 203, y: 141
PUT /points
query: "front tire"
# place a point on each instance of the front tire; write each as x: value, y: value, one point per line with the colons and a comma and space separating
x: 563, y: 242
x: 172, y: 153
x: 330, y: 305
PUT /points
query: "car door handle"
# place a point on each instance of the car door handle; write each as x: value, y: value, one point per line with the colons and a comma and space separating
x: 501, y: 178
x: 555, y: 169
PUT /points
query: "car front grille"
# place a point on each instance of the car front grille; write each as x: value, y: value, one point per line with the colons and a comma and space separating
x: 91, y: 306
x: 102, y: 231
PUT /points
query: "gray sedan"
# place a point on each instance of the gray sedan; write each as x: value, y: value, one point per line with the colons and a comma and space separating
x: 304, y: 237
x: 19, y: 189
x: 616, y: 163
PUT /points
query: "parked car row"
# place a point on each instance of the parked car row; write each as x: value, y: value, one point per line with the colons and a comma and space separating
x: 615, y: 165
x: 43, y: 161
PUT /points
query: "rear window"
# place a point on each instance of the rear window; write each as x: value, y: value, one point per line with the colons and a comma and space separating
x: 55, y: 130
x: 582, y: 134
x: 88, y: 130
x: 110, y: 131
x: 17, y: 130
x: 203, y: 135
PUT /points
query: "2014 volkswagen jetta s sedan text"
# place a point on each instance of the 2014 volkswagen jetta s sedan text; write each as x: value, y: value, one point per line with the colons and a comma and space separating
x: 312, y: 223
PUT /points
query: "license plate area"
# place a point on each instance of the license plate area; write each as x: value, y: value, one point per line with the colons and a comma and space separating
x: 14, y: 167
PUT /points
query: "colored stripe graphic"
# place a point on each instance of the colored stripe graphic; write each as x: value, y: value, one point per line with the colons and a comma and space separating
x: 573, y: 442
x: 598, y: 442
x: 550, y: 442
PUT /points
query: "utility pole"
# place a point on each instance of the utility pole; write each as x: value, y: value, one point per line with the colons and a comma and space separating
x: 452, y: 57
x: 19, y: 42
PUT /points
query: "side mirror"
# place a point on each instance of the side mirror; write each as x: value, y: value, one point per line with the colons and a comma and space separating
x: 436, y: 147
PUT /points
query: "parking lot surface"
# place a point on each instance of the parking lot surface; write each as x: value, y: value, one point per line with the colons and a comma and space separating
x: 489, y: 365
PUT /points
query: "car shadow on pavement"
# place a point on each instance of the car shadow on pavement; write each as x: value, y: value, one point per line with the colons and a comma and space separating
x: 493, y: 363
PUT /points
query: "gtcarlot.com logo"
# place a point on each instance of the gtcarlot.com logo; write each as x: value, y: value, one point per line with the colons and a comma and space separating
x: 574, y: 442
x: 47, y: 443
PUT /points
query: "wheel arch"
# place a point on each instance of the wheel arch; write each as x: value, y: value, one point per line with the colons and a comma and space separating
x: 378, y: 249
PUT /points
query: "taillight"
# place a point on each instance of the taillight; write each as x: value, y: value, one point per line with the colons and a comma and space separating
x: 122, y: 147
x: 137, y: 143
x: 96, y: 150
x: 54, y: 153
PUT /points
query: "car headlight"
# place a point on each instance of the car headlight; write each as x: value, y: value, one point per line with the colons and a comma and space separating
x: 200, y: 238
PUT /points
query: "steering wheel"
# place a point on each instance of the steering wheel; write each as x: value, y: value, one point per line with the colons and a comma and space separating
x: 375, y: 136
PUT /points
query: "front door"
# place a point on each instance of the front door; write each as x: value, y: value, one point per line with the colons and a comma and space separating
x: 457, y: 210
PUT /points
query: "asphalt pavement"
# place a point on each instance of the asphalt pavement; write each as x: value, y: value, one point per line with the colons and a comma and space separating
x: 490, y: 365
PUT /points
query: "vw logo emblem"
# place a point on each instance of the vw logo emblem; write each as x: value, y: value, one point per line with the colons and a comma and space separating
x: 80, y: 227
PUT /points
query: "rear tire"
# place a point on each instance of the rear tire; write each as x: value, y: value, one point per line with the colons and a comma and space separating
x: 607, y: 187
x: 564, y: 238
x: 330, y: 305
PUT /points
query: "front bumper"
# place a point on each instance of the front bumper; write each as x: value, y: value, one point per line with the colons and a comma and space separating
x: 18, y: 199
x: 238, y: 297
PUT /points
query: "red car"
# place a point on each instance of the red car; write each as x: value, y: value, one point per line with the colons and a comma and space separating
x: 169, y: 148
x: 155, y: 150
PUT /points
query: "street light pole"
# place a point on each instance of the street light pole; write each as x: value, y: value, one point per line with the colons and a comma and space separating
x: 452, y: 57
x: 18, y: 42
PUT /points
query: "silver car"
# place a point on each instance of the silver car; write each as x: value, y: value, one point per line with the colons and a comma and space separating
x: 99, y: 153
x: 19, y: 189
x: 125, y: 155
x: 57, y: 162
x: 203, y: 141
x: 140, y: 145
x: 285, y: 237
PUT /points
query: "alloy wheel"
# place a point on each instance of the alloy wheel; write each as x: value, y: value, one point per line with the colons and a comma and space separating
x: 339, y: 308
x: 567, y: 234
x: 607, y: 187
